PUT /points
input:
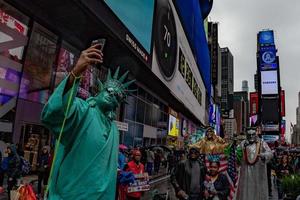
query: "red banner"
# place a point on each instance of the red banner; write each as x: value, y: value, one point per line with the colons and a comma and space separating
x: 253, y: 103
x: 282, y: 103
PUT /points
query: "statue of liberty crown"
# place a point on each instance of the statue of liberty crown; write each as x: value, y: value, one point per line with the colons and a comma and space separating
x: 120, y: 88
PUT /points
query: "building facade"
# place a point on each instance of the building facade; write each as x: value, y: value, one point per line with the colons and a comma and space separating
x: 230, y: 127
x: 241, y: 110
x: 44, y: 49
x: 227, y: 82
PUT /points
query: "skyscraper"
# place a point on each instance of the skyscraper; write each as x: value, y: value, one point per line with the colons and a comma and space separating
x: 227, y: 79
x: 245, y: 87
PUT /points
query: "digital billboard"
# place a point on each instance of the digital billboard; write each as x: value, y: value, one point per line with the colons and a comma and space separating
x: 269, y: 82
x: 184, y: 80
x: 173, y: 129
x: 253, y: 103
x: 282, y: 103
x: 266, y: 37
x: 282, y: 131
x: 137, y: 16
x: 268, y: 59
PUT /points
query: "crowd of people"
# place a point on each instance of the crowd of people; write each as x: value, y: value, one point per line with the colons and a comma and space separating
x: 190, y: 176
x: 14, y: 167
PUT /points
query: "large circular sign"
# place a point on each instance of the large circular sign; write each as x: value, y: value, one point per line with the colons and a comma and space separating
x: 268, y: 57
x: 165, y: 40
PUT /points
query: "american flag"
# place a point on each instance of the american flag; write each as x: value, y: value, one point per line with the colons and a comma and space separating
x: 232, y: 171
x: 228, y: 166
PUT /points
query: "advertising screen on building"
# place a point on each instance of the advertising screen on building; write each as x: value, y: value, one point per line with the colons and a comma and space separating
x: 266, y: 37
x: 282, y: 131
x: 268, y: 59
x: 282, y: 103
x: 12, y: 41
x: 174, y: 62
x: 173, y: 126
x: 269, y: 82
x: 137, y: 16
x: 270, y: 111
x: 253, y: 103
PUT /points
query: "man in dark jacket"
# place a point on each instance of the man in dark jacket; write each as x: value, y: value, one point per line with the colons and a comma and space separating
x: 12, y: 167
x: 188, y: 177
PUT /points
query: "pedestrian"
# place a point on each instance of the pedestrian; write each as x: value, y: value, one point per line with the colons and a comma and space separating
x: 188, y: 177
x: 43, y: 169
x: 171, y: 161
x: 216, y: 185
x: 150, y: 161
x: 157, y: 161
x: 282, y: 170
x: 12, y: 167
x: 136, y: 167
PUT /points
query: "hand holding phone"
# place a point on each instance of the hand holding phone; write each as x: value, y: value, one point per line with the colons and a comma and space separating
x: 101, y: 45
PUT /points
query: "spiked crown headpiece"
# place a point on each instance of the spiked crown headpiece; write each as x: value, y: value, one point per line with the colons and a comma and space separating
x: 119, y: 89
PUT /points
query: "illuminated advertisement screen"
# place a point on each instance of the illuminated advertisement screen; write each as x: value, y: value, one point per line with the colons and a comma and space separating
x: 12, y: 41
x: 173, y: 126
x: 269, y: 82
x: 268, y: 58
x: 266, y: 37
x: 137, y: 16
x: 253, y: 103
x: 282, y: 103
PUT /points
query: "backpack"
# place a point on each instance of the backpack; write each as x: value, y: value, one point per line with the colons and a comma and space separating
x: 25, y: 166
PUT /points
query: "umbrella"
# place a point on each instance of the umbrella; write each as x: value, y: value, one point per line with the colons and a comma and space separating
x: 123, y: 147
x: 157, y: 148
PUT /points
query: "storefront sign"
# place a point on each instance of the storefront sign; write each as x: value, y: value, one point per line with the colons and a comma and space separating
x: 122, y: 126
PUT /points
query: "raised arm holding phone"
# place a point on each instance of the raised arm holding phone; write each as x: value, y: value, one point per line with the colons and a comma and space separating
x: 85, y: 165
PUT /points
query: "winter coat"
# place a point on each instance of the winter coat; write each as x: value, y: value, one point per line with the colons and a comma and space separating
x: 12, y: 164
x: 181, y: 176
x: 135, y: 169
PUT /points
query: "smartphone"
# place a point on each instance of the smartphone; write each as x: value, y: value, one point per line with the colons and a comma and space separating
x: 101, y: 42
x: 101, y: 47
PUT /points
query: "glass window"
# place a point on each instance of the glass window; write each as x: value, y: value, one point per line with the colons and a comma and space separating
x: 149, y: 98
x: 139, y: 129
x: 129, y: 135
x: 67, y: 58
x: 13, y: 39
x: 155, y: 115
x: 140, y: 114
x: 141, y: 93
x: 37, y: 72
x: 130, y: 108
x: 148, y: 114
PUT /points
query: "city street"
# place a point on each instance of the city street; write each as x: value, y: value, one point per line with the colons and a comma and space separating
x: 103, y: 96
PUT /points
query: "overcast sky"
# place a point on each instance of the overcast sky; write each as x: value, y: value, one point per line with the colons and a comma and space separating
x: 239, y: 23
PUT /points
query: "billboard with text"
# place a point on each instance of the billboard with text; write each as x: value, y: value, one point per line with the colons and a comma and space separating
x: 269, y: 82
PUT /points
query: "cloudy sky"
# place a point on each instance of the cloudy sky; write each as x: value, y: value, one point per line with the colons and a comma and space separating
x: 240, y: 21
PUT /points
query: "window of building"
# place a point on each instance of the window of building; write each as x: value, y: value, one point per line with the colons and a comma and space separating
x: 13, y: 39
x: 38, y: 66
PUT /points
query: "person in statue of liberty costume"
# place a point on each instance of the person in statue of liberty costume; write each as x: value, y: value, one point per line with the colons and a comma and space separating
x: 253, y: 181
x: 86, y: 160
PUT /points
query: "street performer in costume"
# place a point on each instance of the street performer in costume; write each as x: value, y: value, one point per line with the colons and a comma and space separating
x: 211, y: 144
x: 85, y: 166
x: 253, y: 181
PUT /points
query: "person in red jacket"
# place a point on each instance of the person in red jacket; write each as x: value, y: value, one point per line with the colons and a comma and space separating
x: 136, y: 167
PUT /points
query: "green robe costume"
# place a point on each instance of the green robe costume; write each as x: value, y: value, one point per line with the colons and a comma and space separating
x: 86, y: 161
